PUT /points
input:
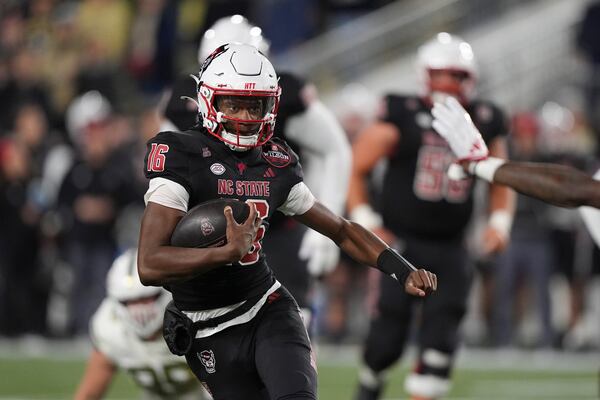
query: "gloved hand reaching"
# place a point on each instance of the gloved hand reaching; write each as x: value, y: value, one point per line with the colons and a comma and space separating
x: 320, y: 251
x: 454, y: 124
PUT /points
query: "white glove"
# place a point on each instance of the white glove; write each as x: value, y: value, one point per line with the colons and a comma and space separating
x: 454, y: 124
x: 320, y: 251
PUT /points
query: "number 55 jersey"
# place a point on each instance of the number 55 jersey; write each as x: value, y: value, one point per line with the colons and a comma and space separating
x: 418, y: 199
x: 202, y: 168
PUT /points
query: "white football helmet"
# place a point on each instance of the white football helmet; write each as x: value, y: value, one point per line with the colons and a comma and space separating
x: 235, y: 28
x: 448, y: 53
x: 239, y: 71
x: 89, y: 108
x: 124, y: 286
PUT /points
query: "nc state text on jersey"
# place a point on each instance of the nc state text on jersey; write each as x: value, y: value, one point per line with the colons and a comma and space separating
x: 243, y: 188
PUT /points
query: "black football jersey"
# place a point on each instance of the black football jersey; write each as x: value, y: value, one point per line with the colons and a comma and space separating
x: 208, y: 170
x: 417, y: 198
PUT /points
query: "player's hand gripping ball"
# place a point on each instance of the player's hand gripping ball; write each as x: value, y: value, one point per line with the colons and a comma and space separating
x: 205, y: 224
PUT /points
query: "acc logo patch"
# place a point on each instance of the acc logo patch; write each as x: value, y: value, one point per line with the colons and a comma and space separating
x: 207, y: 358
x: 217, y: 169
x: 277, y: 155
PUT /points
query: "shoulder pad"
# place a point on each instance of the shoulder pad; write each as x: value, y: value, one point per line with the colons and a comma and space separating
x: 292, y: 101
x: 489, y: 118
x: 186, y: 141
x: 181, y: 111
x: 278, y: 153
x: 396, y: 105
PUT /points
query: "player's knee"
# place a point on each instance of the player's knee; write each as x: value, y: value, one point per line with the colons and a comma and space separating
x: 385, y: 342
x: 370, y: 378
x: 426, y: 386
x: 431, y: 377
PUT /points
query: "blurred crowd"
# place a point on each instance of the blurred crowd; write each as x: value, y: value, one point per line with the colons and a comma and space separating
x: 81, y: 84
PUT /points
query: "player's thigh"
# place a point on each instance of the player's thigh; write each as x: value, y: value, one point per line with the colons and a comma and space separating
x: 283, y: 354
x: 443, y: 311
x: 227, y: 357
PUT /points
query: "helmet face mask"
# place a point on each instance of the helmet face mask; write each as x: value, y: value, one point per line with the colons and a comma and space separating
x: 141, y: 308
x: 449, y: 82
x: 238, y: 96
x: 446, y: 66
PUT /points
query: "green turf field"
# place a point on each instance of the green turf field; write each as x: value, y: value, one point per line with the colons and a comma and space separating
x: 45, y: 378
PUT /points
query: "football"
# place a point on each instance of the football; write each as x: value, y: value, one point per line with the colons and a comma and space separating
x: 205, y: 224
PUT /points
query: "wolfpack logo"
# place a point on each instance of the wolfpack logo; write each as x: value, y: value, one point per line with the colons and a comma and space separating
x: 206, y: 226
x: 277, y: 156
x: 217, y: 169
x: 207, y: 358
x: 484, y: 113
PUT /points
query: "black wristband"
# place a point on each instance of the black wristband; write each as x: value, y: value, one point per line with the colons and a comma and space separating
x: 393, y: 264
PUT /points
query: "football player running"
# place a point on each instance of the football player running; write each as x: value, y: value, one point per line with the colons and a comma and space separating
x: 424, y: 215
x: 239, y: 328
x: 296, y: 253
x: 559, y: 185
x: 126, y: 332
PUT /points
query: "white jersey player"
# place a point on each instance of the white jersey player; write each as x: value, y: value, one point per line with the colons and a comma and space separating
x: 126, y: 334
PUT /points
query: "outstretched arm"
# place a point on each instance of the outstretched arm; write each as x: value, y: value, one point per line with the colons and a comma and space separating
x: 98, y: 376
x: 365, y: 247
x: 373, y: 145
x: 556, y: 184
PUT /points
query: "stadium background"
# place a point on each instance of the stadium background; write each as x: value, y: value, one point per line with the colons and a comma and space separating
x: 534, y: 63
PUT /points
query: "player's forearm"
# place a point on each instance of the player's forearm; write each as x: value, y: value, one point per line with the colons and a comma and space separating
x: 360, y: 243
x: 162, y: 265
x: 97, y: 378
x: 367, y: 248
x: 556, y: 184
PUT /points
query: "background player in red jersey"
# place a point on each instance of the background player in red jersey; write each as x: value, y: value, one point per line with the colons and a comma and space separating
x: 239, y: 328
x: 424, y: 214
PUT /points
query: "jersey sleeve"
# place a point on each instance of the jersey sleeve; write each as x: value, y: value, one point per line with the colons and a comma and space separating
x: 167, y: 158
x: 299, y: 200
x: 291, y: 102
x: 390, y: 109
x: 167, y: 193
